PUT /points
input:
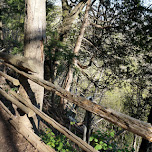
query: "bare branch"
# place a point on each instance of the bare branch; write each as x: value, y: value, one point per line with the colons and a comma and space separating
x: 101, y: 27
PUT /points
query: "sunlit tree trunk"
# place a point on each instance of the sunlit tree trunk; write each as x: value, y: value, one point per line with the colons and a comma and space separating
x: 34, y: 30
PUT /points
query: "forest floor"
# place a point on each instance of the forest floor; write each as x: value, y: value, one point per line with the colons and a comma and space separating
x: 10, y: 139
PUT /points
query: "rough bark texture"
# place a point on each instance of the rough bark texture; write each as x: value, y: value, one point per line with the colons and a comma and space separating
x: 19, y: 61
x: 1, y: 35
x: 133, y: 125
x: 35, y: 27
x: 13, y: 80
x: 1, y: 32
x: 17, y: 103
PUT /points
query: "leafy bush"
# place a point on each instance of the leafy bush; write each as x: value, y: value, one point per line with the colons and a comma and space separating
x: 58, y: 142
x: 106, y: 141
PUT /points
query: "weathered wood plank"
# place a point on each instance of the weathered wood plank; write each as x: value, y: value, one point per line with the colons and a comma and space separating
x: 13, y: 80
x: 133, y: 125
x: 19, y: 61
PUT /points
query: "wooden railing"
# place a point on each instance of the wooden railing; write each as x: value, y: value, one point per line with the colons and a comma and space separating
x: 126, y: 122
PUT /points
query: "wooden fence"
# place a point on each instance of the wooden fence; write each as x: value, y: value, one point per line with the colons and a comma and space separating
x: 126, y: 122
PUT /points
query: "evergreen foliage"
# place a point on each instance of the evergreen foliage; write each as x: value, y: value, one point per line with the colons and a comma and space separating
x: 120, y: 73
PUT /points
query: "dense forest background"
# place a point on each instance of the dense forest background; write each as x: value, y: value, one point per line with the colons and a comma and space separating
x: 103, y: 54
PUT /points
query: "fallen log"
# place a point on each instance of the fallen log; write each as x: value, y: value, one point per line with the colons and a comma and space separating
x: 21, y: 126
x: 126, y: 122
x: 19, y: 61
x: 13, y: 80
x: 56, y: 125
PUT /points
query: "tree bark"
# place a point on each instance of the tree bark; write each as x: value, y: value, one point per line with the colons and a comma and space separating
x: 34, y: 29
x: 34, y: 37
x: 87, y: 126
x: 1, y: 35
x: 69, y: 16
x: 13, y: 80
x: 17, y: 103
x: 69, y: 77
x: 21, y: 62
x: 1, y: 32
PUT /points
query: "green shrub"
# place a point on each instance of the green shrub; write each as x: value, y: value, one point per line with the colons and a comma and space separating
x: 58, y: 142
x: 106, y: 141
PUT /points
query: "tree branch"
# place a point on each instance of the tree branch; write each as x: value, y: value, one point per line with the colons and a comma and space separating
x: 101, y: 27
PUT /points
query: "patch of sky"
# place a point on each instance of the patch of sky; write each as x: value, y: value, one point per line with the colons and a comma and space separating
x: 147, y: 3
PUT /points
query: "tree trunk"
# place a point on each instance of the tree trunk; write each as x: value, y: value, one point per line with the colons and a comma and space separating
x: 34, y: 29
x: 69, y: 15
x: 1, y: 32
x: 145, y: 144
x: 87, y: 126
x: 69, y: 77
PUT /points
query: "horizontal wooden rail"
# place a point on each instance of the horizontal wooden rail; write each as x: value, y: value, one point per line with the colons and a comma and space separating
x: 133, y: 125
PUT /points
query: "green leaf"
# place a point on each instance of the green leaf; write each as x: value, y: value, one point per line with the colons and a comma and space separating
x: 72, y: 123
x: 98, y: 147
x: 112, y: 134
x: 96, y: 140
x: 110, y: 147
x: 60, y: 146
x: 91, y: 138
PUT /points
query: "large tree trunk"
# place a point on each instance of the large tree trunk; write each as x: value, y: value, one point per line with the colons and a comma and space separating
x: 34, y: 29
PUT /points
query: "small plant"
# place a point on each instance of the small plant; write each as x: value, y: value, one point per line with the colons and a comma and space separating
x: 58, y: 142
x: 14, y: 89
x: 100, y: 141
x: 72, y: 123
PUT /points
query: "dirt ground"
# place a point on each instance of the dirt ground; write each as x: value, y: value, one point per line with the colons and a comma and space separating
x: 10, y: 139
